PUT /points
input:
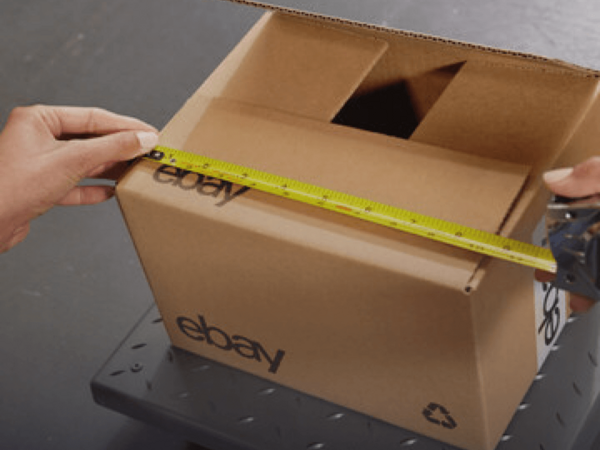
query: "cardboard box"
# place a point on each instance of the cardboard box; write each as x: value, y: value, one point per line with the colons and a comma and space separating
x: 431, y: 338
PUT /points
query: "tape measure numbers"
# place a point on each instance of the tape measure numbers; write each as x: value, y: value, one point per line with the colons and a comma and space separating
x: 428, y: 227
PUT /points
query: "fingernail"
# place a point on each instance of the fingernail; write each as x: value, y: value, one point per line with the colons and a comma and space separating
x: 147, y: 140
x: 554, y: 176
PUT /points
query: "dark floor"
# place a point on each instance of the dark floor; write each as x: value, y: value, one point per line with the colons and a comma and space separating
x: 74, y: 289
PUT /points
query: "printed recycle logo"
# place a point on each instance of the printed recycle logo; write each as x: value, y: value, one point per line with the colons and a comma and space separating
x: 439, y: 415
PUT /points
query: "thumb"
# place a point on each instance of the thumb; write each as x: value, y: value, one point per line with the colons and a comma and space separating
x: 580, y: 181
x: 82, y: 157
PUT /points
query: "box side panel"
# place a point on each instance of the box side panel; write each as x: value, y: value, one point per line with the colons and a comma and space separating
x: 504, y: 321
x: 375, y: 340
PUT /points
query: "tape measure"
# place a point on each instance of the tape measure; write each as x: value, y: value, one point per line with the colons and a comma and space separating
x: 410, y: 222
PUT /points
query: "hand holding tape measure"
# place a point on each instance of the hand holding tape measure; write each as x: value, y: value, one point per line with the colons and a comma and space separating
x: 573, y: 228
x: 573, y: 222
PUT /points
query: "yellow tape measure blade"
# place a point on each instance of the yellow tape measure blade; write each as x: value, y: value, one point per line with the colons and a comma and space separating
x: 425, y: 226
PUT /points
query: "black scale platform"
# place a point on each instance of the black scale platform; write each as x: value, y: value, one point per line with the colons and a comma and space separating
x: 222, y: 408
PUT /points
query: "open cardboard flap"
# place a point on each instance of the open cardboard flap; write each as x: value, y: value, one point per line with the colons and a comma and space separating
x: 425, y: 179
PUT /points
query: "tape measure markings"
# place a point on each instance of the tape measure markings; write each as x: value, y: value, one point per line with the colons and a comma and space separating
x: 418, y: 224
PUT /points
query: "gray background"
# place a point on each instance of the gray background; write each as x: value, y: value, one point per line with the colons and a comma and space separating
x: 74, y: 288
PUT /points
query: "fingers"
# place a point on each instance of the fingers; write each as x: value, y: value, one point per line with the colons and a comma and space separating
x: 62, y: 120
x: 36, y: 153
x: 577, y: 303
x: 81, y: 158
x: 87, y: 195
x: 16, y: 237
x: 580, y: 304
x: 581, y: 181
x: 544, y: 277
x: 74, y: 120
x: 110, y: 171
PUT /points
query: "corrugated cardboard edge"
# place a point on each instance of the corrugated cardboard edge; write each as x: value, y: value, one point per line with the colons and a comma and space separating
x: 565, y: 66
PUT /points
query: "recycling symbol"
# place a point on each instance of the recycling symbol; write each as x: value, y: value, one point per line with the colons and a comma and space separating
x: 439, y: 415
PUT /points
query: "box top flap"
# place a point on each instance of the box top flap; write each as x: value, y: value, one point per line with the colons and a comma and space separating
x: 309, y: 70
x: 291, y: 66
x: 421, y: 178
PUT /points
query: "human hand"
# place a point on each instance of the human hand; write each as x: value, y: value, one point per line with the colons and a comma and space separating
x: 46, y: 151
x: 582, y: 180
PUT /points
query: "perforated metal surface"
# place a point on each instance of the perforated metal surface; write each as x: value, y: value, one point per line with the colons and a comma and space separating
x: 225, y: 409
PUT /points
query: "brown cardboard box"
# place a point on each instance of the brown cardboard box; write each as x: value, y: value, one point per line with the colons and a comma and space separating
x: 431, y: 338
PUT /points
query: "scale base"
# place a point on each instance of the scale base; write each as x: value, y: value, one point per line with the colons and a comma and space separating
x: 222, y: 408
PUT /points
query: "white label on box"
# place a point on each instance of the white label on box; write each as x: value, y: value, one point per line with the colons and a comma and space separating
x: 550, y: 306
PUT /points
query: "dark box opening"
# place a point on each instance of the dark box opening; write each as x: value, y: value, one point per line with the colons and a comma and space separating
x: 398, y: 108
